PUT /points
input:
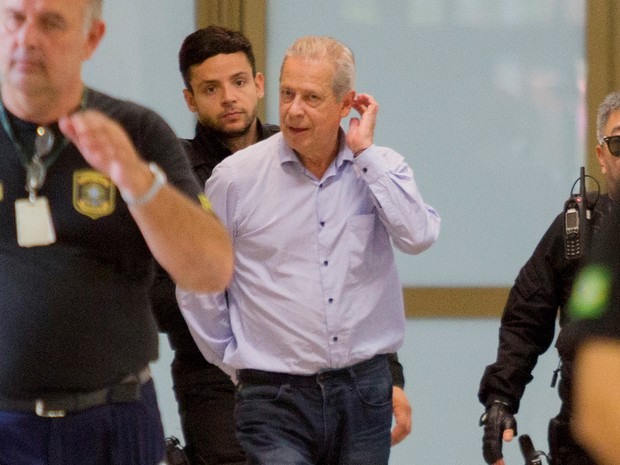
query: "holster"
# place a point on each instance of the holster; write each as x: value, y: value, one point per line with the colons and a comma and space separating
x: 563, y: 449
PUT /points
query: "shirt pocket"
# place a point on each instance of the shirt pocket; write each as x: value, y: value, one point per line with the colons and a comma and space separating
x: 360, y: 233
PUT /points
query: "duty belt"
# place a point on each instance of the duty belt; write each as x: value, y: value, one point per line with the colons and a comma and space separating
x: 58, y: 406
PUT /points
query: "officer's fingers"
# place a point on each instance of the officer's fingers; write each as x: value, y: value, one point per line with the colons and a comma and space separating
x: 491, y: 445
x: 508, y: 435
x: 500, y: 462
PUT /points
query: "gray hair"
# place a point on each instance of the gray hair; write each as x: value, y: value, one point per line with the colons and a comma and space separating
x: 94, y: 11
x: 322, y: 48
x: 605, y: 109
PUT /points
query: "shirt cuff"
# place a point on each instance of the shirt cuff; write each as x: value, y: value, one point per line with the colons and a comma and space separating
x: 370, y: 164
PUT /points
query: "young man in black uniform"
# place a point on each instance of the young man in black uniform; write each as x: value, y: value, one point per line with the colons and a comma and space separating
x: 89, y: 188
x: 223, y: 88
x: 541, y: 289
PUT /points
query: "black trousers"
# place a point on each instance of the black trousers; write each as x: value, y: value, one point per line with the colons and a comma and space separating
x: 206, y: 398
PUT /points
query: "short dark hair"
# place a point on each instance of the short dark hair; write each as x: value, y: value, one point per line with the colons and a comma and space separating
x: 208, y: 42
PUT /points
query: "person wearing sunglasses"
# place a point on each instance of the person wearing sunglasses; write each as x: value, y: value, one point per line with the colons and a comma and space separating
x: 613, y: 144
x: 608, y: 153
x: 595, y: 337
x: 540, y: 292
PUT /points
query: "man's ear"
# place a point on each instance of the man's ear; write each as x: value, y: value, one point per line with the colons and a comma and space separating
x: 188, y: 95
x: 601, y: 158
x: 93, y: 38
x: 259, y: 82
x: 346, y: 103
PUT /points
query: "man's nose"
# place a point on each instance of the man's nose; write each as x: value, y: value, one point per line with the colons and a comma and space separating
x: 229, y: 93
x: 28, y: 33
x: 296, y: 106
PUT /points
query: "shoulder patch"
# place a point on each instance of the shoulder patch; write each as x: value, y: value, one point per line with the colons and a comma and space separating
x: 205, y: 202
x: 591, y: 292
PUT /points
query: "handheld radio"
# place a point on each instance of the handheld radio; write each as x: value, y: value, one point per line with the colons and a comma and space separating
x: 577, y: 215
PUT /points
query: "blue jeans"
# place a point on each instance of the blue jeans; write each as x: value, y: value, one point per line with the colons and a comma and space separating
x: 124, y: 433
x: 338, y: 417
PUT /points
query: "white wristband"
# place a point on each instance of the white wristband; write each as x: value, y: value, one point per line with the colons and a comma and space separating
x: 159, y: 181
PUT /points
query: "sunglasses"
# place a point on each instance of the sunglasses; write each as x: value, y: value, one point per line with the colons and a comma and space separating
x: 613, y: 143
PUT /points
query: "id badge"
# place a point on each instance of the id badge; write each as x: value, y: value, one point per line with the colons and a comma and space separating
x: 34, y: 222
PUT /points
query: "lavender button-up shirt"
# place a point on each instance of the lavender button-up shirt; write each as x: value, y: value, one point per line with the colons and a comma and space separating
x: 315, y: 284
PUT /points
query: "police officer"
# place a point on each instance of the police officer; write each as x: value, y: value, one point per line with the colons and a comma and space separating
x: 539, y: 293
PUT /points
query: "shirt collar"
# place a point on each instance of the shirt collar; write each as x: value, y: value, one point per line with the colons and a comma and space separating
x: 288, y: 155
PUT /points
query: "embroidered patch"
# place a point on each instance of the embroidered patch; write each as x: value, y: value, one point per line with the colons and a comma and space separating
x: 205, y: 202
x: 94, y: 194
x: 591, y: 292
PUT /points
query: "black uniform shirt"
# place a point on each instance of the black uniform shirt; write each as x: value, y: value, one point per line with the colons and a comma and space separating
x: 75, y: 315
x: 595, y: 304
x: 205, y: 151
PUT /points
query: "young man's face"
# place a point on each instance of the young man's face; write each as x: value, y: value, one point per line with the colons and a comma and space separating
x: 224, y: 93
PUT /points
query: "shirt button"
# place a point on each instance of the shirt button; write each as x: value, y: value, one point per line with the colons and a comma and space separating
x: 330, y: 300
x: 322, y: 223
x: 335, y: 339
x: 365, y: 170
x: 325, y: 262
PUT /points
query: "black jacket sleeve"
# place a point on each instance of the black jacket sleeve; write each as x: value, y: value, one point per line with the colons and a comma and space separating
x: 528, y: 321
x: 398, y: 376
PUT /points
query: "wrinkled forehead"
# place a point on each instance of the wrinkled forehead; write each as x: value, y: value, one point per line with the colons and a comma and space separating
x: 302, y: 71
x: 612, y: 126
x: 69, y: 9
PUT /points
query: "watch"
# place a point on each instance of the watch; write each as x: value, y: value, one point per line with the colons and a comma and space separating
x: 159, y: 181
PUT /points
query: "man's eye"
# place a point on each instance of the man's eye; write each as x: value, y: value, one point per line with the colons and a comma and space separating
x: 53, y: 23
x: 12, y: 22
x: 313, y: 99
x: 240, y: 82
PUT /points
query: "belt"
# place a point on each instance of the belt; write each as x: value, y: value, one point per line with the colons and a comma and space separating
x: 57, y: 406
x: 260, y: 377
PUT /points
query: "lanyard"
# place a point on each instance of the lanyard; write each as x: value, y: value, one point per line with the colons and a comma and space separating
x: 47, y: 149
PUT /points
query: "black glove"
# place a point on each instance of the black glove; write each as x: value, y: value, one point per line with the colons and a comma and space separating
x: 495, y: 420
x: 175, y: 455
